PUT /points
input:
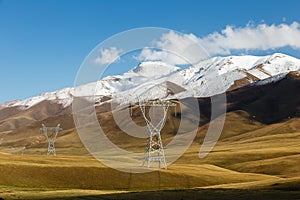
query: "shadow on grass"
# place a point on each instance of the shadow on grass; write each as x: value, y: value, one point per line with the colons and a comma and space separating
x: 193, y: 194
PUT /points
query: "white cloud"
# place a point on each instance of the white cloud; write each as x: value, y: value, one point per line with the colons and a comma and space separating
x: 260, y: 37
x: 250, y: 37
x: 175, y: 48
x: 108, y: 55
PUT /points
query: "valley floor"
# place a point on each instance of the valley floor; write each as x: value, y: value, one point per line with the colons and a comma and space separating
x: 234, y: 170
x: 250, y: 161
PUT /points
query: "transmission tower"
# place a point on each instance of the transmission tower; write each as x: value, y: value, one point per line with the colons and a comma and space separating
x: 154, y: 150
x: 51, y: 134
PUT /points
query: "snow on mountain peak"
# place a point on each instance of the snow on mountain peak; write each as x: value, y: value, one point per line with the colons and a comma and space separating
x: 62, y: 96
x: 154, y: 69
x: 194, y: 79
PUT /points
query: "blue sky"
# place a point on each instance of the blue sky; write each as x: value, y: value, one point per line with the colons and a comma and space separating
x: 43, y: 43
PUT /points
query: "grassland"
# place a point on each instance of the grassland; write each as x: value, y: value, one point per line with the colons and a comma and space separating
x: 261, y: 163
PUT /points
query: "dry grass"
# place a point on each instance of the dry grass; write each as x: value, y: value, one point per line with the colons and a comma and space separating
x: 260, y: 157
x: 266, y: 161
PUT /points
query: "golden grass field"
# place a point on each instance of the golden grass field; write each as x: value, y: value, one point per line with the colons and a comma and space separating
x: 261, y: 157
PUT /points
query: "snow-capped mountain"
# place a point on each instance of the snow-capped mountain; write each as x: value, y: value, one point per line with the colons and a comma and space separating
x: 152, y: 80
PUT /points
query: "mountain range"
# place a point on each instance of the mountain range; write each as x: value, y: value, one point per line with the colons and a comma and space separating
x: 242, y: 78
x: 198, y: 80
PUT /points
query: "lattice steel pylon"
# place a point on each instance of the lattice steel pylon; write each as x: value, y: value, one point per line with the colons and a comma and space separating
x: 154, y: 150
x: 51, y: 137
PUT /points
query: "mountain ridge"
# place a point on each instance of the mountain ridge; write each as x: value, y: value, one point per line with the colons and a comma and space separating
x: 198, y: 80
